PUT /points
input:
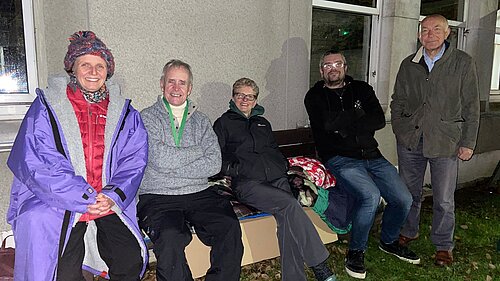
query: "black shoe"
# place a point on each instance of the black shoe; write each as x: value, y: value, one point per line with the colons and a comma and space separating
x: 402, y: 252
x: 322, y: 272
x: 355, y: 264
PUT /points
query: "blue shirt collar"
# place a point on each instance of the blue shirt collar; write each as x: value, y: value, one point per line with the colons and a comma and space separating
x: 430, y: 62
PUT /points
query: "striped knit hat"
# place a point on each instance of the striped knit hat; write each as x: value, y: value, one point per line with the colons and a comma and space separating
x: 87, y: 43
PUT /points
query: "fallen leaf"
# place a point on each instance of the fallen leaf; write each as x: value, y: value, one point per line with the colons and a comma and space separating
x: 489, y: 278
x: 464, y: 226
x: 488, y: 256
x: 475, y: 265
x: 491, y: 266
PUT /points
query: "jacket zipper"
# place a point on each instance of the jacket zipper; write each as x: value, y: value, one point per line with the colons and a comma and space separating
x: 90, y: 142
x: 113, y: 142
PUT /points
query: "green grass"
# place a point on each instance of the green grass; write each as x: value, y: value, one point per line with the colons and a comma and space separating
x: 476, y: 255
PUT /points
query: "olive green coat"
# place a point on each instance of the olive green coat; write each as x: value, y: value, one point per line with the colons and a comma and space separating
x: 442, y: 106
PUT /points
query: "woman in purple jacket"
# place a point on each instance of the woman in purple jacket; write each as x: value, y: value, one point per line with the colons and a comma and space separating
x: 77, y: 161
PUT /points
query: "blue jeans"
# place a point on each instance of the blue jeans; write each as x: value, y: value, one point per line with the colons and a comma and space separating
x: 367, y: 180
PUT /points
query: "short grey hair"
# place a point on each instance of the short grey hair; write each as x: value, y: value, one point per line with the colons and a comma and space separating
x: 435, y: 16
x: 243, y: 82
x: 175, y: 63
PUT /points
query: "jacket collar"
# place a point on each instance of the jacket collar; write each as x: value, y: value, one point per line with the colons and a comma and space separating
x: 419, y: 55
x: 55, y: 94
x: 160, y: 105
x: 257, y: 110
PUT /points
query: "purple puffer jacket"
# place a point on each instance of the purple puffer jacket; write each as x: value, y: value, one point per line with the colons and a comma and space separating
x: 48, y: 183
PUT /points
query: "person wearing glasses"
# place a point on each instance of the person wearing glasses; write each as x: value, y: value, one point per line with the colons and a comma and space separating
x: 183, y: 153
x: 250, y: 156
x: 344, y: 115
x: 435, y: 117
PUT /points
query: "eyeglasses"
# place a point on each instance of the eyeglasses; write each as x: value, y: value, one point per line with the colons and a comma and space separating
x: 337, y: 64
x: 241, y: 96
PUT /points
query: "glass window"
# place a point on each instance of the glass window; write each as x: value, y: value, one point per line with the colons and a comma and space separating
x: 13, y: 72
x: 346, y: 32
x: 18, y: 78
x: 367, y: 3
x: 450, y: 9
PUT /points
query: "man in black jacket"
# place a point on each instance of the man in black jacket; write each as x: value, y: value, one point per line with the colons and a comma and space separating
x: 344, y: 115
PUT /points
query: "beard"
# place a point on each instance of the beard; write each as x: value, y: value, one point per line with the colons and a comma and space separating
x: 334, y: 79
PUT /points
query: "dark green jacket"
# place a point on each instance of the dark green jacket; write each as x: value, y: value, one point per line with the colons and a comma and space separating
x: 442, y: 106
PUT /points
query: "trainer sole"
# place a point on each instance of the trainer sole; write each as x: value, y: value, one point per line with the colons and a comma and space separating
x: 355, y: 274
x: 401, y: 258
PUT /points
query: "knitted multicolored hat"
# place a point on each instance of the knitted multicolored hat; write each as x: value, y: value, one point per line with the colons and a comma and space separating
x: 87, y: 43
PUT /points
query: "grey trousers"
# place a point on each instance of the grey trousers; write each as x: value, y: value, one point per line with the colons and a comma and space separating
x: 298, y: 240
x: 444, y: 171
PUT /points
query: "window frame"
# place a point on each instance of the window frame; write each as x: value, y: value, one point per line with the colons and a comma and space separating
x: 373, y: 51
x: 13, y: 107
x: 495, y: 93
x: 9, y: 100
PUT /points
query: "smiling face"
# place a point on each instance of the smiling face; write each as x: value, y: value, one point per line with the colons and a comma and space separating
x: 433, y: 31
x: 333, y: 70
x: 90, y: 72
x: 245, y: 99
x: 176, y: 86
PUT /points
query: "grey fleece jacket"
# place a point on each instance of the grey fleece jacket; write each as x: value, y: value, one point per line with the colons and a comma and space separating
x: 173, y: 170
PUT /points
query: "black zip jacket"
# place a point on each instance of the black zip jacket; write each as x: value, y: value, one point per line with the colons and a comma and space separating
x: 249, y: 150
x: 344, y: 121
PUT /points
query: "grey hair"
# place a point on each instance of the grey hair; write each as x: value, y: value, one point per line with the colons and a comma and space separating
x: 242, y: 82
x: 435, y: 16
x: 175, y: 63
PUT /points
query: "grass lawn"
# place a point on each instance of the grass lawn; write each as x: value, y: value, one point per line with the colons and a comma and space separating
x: 476, y: 254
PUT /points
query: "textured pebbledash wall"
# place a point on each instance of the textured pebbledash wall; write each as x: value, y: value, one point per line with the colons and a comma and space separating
x: 267, y: 41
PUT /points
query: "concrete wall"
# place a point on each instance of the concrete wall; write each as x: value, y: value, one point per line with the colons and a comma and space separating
x: 480, y: 38
x: 267, y: 41
x: 5, y: 181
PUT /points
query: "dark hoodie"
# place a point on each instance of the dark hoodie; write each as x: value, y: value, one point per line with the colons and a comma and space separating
x: 249, y: 150
x: 344, y: 120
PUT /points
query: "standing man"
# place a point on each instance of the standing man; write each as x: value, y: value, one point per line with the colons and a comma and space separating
x: 344, y: 115
x: 183, y: 153
x: 435, y: 117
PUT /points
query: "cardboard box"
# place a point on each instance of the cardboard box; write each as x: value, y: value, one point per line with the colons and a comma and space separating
x: 259, y: 239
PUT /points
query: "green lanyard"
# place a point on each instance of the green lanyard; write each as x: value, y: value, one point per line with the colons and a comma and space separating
x: 176, y: 134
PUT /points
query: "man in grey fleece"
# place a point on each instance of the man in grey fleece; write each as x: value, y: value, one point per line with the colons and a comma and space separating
x: 183, y: 153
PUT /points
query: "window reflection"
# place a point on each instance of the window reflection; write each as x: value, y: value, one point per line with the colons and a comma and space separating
x: 13, y: 73
x: 367, y: 3
x: 450, y: 9
x: 346, y: 32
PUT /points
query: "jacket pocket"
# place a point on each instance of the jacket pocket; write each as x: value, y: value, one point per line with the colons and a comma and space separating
x: 452, y: 128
